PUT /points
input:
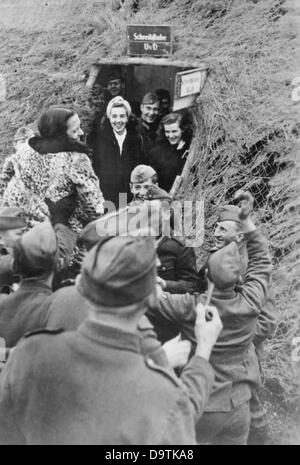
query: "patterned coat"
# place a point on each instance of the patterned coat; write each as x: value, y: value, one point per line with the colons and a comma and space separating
x: 53, y: 175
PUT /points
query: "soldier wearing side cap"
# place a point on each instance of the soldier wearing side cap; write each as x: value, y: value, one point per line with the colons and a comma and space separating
x: 35, y: 260
x: 227, y: 416
x: 67, y: 308
x: 93, y: 385
x: 178, y: 262
x: 228, y: 229
x: 147, y: 123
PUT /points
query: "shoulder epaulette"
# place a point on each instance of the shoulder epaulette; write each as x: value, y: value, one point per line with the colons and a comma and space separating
x: 44, y: 331
x: 164, y: 371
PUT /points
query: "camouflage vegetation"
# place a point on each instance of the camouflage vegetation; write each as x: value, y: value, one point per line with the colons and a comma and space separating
x: 247, y: 122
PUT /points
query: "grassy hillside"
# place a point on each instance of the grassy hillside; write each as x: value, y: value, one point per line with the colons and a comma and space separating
x: 248, y: 124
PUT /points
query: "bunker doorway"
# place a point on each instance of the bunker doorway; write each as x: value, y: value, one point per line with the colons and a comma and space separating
x: 183, y: 81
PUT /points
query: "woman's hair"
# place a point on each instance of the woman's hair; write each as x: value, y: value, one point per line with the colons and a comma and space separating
x: 53, y: 122
x: 23, y: 267
x: 184, y: 122
x: 118, y: 102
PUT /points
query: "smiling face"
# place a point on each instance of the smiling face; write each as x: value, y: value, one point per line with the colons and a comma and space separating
x: 173, y: 133
x: 118, y: 119
x: 139, y: 189
x: 74, y: 130
x: 115, y: 87
x: 226, y: 232
x: 149, y: 112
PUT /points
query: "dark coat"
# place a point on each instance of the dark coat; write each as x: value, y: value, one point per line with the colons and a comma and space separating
x: 178, y: 265
x: 21, y: 312
x: 93, y: 386
x: 168, y: 162
x: 239, y: 311
x: 148, y: 135
x: 112, y: 168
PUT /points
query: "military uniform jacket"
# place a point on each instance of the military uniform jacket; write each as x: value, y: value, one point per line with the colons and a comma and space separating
x: 178, y: 265
x: 238, y: 311
x: 93, y: 386
x: 21, y: 312
x: 67, y: 309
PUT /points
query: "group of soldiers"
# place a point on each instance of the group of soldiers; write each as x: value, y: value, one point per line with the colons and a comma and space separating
x: 141, y: 347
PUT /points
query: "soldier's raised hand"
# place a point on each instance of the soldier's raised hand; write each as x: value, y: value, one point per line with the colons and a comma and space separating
x: 246, y: 208
x: 246, y: 201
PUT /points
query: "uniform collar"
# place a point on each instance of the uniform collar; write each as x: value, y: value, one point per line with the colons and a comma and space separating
x: 33, y: 283
x: 109, y: 336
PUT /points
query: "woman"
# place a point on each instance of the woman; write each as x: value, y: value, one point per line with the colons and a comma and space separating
x: 116, y: 151
x: 57, y: 166
x: 169, y: 154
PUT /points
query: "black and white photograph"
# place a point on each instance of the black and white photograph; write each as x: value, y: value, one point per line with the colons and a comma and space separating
x: 150, y: 225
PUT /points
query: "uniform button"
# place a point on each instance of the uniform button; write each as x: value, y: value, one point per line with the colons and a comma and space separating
x: 150, y: 362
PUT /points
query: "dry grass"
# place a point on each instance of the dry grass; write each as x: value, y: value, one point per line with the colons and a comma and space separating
x: 247, y: 123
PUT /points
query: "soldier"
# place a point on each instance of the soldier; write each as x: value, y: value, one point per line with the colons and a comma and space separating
x: 36, y: 257
x: 147, y: 123
x: 178, y: 262
x: 229, y: 229
x: 93, y: 385
x: 227, y: 416
x: 67, y: 309
x: 116, y: 85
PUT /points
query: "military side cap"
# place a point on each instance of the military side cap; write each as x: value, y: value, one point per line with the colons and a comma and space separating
x: 40, y: 245
x: 224, y: 266
x: 156, y: 193
x: 137, y: 220
x: 150, y: 98
x: 11, y: 218
x: 229, y: 213
x: 141, y: 173
x: 115, y: 75
x: 119, y: 271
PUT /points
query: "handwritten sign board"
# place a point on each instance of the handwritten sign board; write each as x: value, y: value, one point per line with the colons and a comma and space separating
x: 188, y: 84
x: 149, y: 40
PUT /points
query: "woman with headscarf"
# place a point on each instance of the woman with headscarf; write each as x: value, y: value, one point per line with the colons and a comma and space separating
x: 169, y: 154
x: 57, y: 166
x: 116, y: 151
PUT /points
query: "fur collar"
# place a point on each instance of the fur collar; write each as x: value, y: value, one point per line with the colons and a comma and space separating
x: 58, y: 144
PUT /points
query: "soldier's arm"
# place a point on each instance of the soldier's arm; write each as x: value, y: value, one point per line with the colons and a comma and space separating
x: 176, y: 310
x: 254, y: 288
x: 10, y: 432
x: 266, y: 321
x: 66, y: 241
x: 186, y: 273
